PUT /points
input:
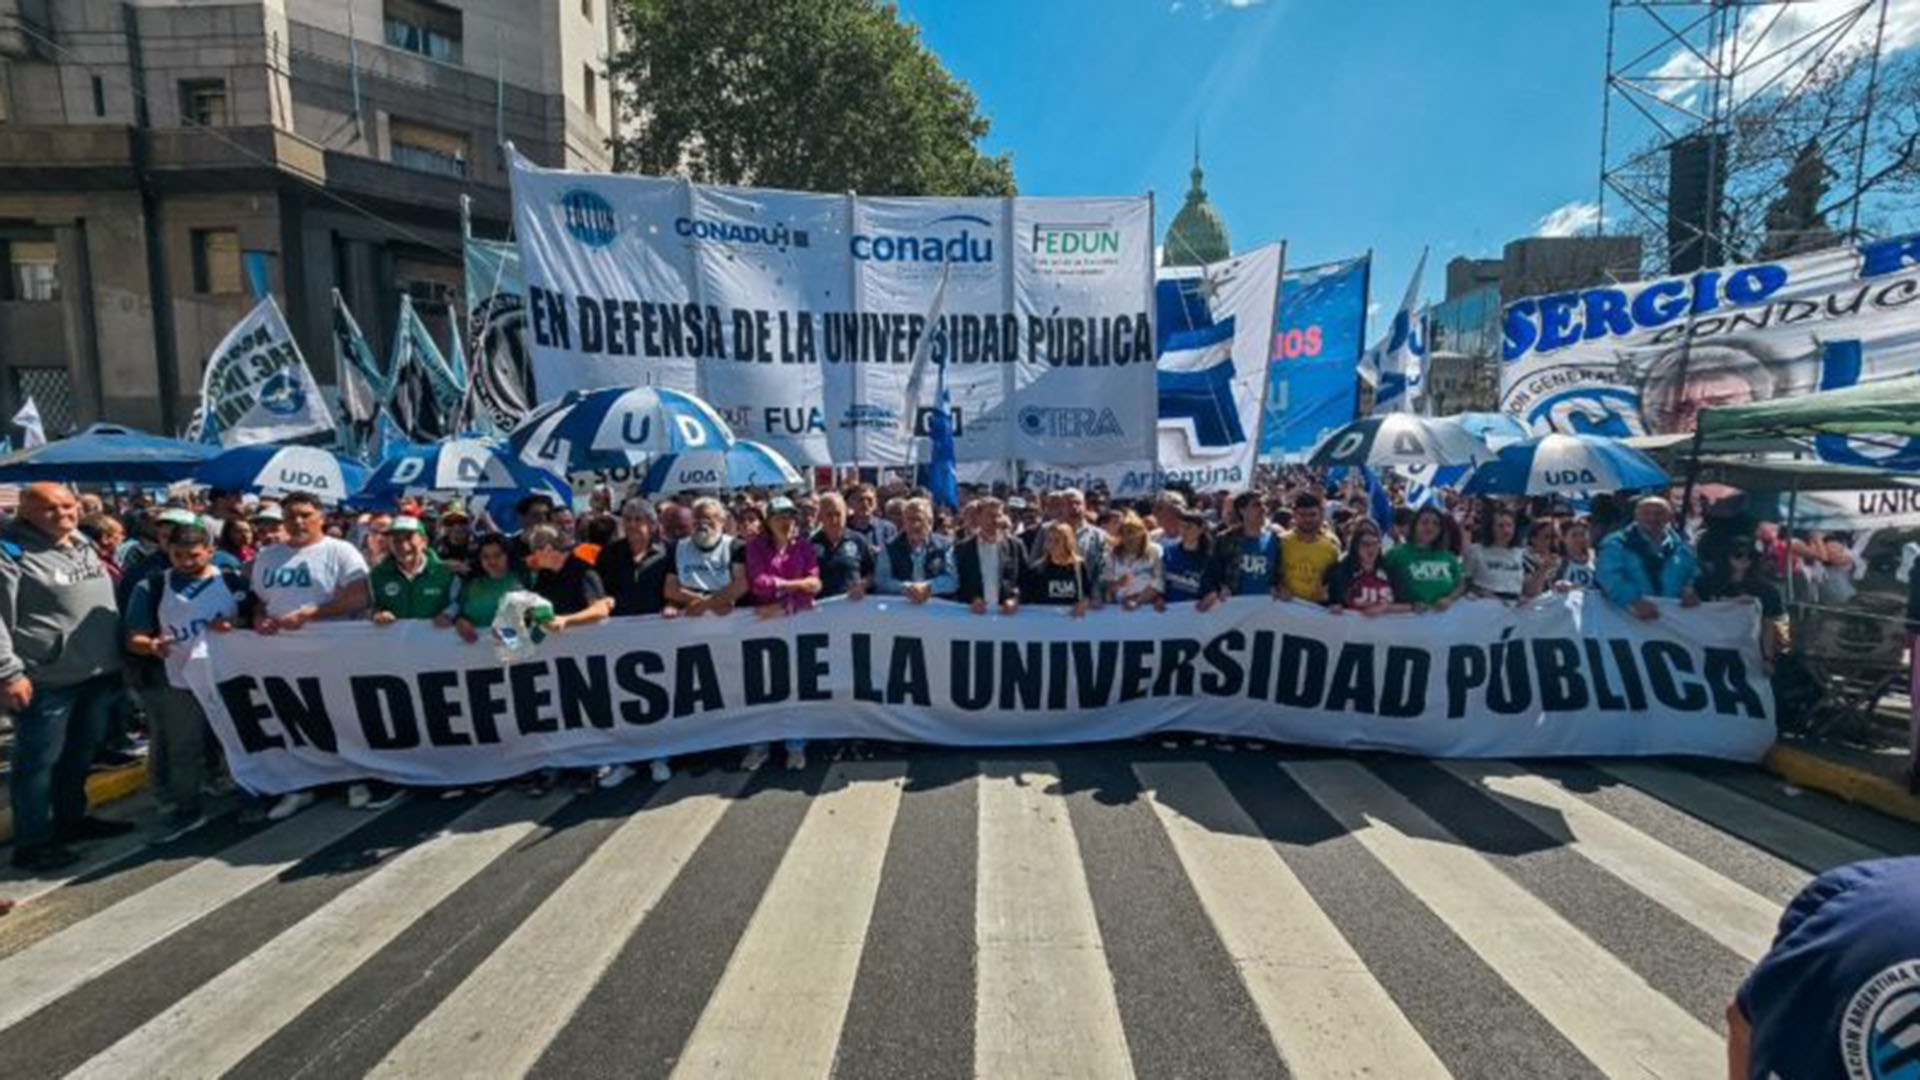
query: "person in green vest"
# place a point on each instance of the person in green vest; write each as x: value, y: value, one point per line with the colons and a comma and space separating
x: 478, y: 594
x: 412, y: 583
x: 1426, y: 569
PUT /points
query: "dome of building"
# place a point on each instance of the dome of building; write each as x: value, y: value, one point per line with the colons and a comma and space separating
x: 1198, y: 234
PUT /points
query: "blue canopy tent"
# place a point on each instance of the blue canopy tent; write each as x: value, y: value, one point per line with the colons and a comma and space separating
x: 106, y: 454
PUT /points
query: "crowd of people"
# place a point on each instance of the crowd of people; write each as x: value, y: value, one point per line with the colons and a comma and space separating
x: 99, y: 602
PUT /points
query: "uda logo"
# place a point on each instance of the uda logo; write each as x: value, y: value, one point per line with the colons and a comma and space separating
x: 1880, y: 1030
x: 282, y: 394
x: 1564, y: 477
x: 588, y: 217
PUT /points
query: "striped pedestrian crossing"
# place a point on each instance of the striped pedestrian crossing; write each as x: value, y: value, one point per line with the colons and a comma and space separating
x: 1093, y: 912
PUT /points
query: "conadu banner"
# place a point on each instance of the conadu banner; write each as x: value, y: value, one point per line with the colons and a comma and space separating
x: 802, y: 317
x: 413, y: 704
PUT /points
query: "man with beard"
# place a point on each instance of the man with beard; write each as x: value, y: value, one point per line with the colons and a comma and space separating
x: 709, y: 571
x: 918, y: 564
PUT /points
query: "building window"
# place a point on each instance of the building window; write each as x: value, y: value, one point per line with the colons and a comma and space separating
x: 417, y: 146
x: 33, y: 270
x: 99, y: 97
x: 203, y: 102
x: 216, y: 261
x: 589, y: 86
x: 420, y: 26
x: 6, y: 92
x: 51, y: 389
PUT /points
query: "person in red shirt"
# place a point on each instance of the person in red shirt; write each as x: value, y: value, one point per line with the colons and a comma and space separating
x: 1359, y: 581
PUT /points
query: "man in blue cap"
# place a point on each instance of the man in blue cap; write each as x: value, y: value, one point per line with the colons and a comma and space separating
x: 1838, y: 996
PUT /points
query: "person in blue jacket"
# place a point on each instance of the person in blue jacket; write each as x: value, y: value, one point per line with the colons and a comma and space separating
x: 1648, y: 559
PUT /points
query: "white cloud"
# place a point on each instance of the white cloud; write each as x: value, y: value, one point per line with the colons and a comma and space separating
x: 1572, y: 219
x: 1784, y: 41
x: 1209, y: 8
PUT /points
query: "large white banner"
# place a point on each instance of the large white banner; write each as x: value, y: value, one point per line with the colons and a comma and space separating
x: 1644, y: 358
x: 257, y: 387
x: 411, y: 703
x: 797, y: 315
x: 1215, y: 326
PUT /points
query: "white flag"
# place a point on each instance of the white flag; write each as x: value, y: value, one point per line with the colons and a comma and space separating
x: 258, y: 388
x: 1397, y: 364
x: 29, y: 418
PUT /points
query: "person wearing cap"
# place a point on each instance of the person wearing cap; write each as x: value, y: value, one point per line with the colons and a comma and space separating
x: 269, y: 526
x: 453, y: 541
x: 150, y: 556
x: 783, y: 576
x: 412, y: 583
x: 1838, y: 995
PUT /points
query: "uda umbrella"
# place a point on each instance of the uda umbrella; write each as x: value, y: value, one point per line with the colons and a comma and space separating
x: 617, y: 427
x: 283, y: 470
x: 1400, y: 440
x: 464, y: 467
x: 1570, y: 466
x: 107, y: 454
x: 745, y: 464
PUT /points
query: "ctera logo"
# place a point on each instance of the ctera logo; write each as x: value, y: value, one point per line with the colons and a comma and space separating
x: 1070, y: 422
x: 589, y: 217
x: 939, y: 244
x: 1095, y: 239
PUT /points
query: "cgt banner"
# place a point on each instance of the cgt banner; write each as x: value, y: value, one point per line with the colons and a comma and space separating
x: 798, y: 315
x: 1645, y: 358
x: 411, y: 703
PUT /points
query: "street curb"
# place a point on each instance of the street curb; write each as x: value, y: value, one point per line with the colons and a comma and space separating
x: 102, y: 787
x: 1869, y: 789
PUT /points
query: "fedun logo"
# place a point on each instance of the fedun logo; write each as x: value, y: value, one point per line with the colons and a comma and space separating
x: 935, y: 246
x: 589, y: 217
x: 1099, y: 239
x: 1070, y: 422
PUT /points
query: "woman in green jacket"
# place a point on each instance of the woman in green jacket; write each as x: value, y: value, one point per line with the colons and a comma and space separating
x: 480, y: 591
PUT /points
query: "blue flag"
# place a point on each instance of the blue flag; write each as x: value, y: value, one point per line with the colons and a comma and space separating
x: 943, y: 478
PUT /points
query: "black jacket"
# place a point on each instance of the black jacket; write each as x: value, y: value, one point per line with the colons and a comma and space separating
x: 966, y: 562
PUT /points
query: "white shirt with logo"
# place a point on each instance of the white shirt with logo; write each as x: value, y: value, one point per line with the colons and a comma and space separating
x: 185, y: 614
x: 286, y: 578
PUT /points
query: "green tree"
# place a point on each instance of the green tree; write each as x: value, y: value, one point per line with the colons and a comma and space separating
x: 821, y: 95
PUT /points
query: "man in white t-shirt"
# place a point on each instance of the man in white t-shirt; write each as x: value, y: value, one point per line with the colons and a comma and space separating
x: 311, y: 576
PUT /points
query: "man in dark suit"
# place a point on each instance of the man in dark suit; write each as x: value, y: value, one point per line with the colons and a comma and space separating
x: 989, y: 562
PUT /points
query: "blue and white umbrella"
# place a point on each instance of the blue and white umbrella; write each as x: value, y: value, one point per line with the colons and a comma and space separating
x: 745, y: 464
x: 283, y: 470
x: 463, y: 467
x: 617, y: 426
x: 1496, y: 429
x: 1570, y: 466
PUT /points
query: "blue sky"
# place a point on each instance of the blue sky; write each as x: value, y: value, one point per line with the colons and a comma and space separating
x: 1336, y: 125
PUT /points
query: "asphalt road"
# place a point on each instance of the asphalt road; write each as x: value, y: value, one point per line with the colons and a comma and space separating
x: 1139, y: 908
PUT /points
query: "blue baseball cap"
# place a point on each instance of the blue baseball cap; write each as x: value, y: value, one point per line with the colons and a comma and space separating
x: 1838, y: 996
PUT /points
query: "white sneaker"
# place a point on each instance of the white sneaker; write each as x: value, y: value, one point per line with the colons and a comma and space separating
x: 796, y: 759
x: 660, y: 770
x: 386, y: 797
x: 358, y: 796
x: 756, y: 757
x: 612, y: 776
x: 290, y: 804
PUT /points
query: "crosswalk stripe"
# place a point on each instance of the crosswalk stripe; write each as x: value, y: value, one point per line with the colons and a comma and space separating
x: 1619, y: 1022
x: 1726, y: 911
x: 511, y: 1006
x: 54, y: 967
x: 780, y: 1003
x: 1044, y: 998
x: 212, y: 1029
x: 1327, y: 1014
x: 1764, y: 826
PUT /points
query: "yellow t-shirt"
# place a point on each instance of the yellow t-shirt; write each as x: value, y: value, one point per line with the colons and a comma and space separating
x: 1304, y: 562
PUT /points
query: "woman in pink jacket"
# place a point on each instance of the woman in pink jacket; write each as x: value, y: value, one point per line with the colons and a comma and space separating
x: 783, y: 574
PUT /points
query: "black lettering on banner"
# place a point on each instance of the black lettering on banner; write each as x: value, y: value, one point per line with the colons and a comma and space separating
x: 1726, y: 675
x: 1556, y: 663
x: 249, y: 714
x: 972, y: 664
x: 1509, y: 690
x: 439, y: 708
x: 1666, y: 662
x: 1466, y: 672
x: 592, y: 334
x: 768, y: 681
x: 1136, y: 669
x: 810, y: 664
x: 863, y: 685
x: 696, y: 682
x: 384, y: 704
x: 1022, y: 674
x: 1351, y: 687
x: 485, y: 703
x: 529, y: 698
x: 907, y: 673
x: 1260, y: 666
x: 1603, y: 694
x: 1630, y: 680
x: 1227, y: 675
x: 1056, y: 675
x: 302, y: 710
x: 1403, y: 692
x: 630, y: 674
x: 584, y: 690
x: 1303, y: 672
x: 1176, y: 667
x: 1093, y: 665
